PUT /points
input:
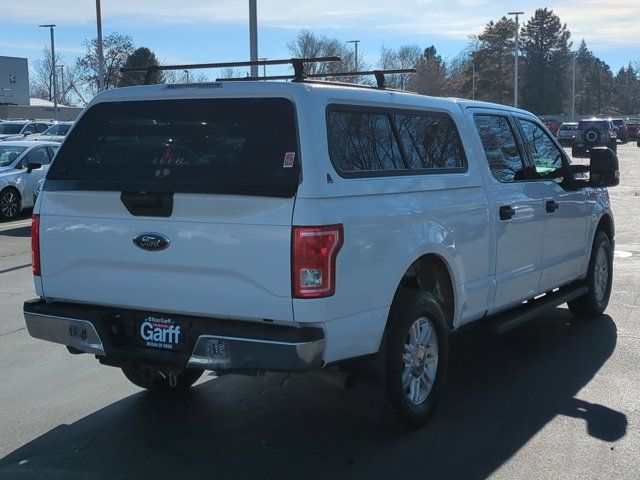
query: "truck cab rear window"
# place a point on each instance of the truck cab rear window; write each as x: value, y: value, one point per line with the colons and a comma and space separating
x: 237, y: 146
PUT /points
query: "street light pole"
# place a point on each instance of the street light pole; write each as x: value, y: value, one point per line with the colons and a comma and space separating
x: 99, y: 44
x: 515, y: 84
x: 53, y: 68
x: 573, y: 89
x: 355, y: 43
x: 253, y: 36
x: 473, y: 81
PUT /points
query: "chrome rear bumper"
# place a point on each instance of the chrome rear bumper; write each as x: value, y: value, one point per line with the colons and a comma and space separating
x: 211, y: 344
x: 78, y: 334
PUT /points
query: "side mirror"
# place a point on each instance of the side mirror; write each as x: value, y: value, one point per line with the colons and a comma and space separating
x: 32, y: 166
x: 603, y: 169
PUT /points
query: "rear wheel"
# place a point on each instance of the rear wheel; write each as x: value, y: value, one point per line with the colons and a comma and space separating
x: 599, y: 280
x: 9, y: 204
x: 159, y: 380
x: 416, y: 354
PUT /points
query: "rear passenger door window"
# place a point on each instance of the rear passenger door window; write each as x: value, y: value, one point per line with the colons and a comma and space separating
x: 545, y: 154
x: 384, y: 142
x: 500, y: 147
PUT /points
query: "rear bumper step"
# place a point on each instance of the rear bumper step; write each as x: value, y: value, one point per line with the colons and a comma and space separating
x: 209, y: 344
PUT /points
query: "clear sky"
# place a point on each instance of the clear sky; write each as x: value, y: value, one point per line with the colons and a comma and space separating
x: 214, y: 30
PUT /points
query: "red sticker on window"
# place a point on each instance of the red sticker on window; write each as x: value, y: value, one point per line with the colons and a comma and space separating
x: 289, y: 158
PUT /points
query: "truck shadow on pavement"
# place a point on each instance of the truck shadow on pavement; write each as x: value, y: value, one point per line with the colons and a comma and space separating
x: 502, y: 391
x: 16, y: 232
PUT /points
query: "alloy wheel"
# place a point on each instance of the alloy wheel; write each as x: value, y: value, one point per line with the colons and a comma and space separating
x: 420, y: 359
x: 9, y: 204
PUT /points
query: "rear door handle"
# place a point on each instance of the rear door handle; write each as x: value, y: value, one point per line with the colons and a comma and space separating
x: 551, y: 206
x: 506, y: 212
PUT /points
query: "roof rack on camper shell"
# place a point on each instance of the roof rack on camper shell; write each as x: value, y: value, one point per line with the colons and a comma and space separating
x: 298, y: 70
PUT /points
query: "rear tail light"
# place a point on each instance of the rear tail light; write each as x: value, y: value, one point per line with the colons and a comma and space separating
x: 314, y: 253
x: 577, y: 136
x: 35, y: 244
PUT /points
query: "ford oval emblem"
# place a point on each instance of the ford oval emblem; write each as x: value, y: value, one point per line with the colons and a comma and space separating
x: 151, y: 241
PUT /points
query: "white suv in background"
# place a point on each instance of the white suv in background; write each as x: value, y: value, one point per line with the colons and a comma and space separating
x: 246, y: 227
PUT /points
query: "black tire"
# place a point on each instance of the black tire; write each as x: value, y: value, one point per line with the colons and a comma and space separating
x: 409, y: 306
x: 9, y: 203
x: 591, y: 304
x: 146, y: 378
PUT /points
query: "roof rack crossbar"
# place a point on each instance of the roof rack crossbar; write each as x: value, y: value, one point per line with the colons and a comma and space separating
x: 379, y: 75
x: 297, y: 63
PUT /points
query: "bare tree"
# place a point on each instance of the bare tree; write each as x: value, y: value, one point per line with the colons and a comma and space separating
x: 41, y: 83
x: 310, y: 45
x: 230, y: 72
x: 185, y: 76
x: 116, y: 49
x: 407, y: 56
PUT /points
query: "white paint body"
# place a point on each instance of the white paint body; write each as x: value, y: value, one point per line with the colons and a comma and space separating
x: 230, y: 256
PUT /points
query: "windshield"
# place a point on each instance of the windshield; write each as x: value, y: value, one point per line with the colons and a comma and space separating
x: 10, y: 128
x: 59, y: 129
x: 8, y: 154
x: 213, y: 145
x: 569, y: 127
x: 618, y: 123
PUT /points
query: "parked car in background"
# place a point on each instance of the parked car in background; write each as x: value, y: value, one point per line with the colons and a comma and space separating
x: 633, y: 127
x: 551, y: 123
x: 621, y: 129
x: 22, y: 164
x: 594, y: 132
x: 19, y: 129
x: 566, y: 133
x: 38, y: 190
x: 55, y: 133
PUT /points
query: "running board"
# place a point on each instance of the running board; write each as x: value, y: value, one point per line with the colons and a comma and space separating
x: 504, y: 322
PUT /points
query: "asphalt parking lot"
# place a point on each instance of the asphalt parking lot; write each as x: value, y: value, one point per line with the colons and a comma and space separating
x: 556, y: 398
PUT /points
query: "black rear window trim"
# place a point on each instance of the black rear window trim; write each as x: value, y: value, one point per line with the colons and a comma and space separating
x: 56, y: 185
x: 387, y: 111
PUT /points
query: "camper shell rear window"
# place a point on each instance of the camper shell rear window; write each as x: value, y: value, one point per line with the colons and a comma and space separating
x: 230, y: 146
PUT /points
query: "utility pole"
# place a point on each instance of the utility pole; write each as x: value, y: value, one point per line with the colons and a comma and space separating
x: 100, y: 53
x: 253, y: 36
x: 54, y: 74
x: 473, y: 81
x: 355, y: 43
x: 515, y: 79
x: 573, y: 89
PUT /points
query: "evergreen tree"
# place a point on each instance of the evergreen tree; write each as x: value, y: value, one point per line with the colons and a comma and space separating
x: 493, y: 60
x: 627, y: 90
x: 546, y: 61
x: 431, y: 75
x: 593, y: 82
x: 141, y: 57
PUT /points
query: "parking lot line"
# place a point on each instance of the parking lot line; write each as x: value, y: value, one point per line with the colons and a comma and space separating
x: 12, y: 225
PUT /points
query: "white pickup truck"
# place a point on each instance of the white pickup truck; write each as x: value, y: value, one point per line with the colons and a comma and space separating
x: 245, y: 227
